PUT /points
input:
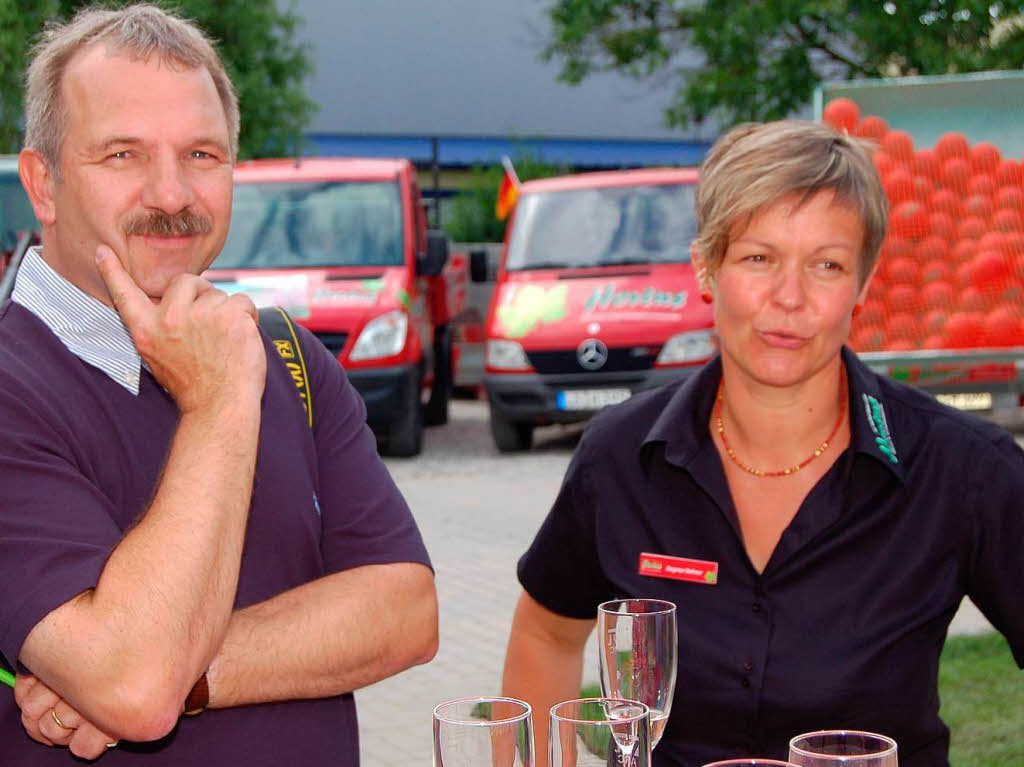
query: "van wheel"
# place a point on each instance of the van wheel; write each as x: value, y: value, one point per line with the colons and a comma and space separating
x: 405, y: 436
x: 510, y: 436
x: 435, y: 412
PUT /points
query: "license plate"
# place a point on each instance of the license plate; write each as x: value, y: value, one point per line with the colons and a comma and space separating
x: 981, y: 400
x: 590, y: 399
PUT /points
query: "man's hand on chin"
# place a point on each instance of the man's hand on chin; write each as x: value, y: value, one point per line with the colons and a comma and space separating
x: 202, y: 345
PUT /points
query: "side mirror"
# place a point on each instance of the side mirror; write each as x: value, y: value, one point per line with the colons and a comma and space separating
x: 431, y: 263
x: 478, y: 265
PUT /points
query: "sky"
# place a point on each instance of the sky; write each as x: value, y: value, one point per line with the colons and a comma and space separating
x: 462, y: 67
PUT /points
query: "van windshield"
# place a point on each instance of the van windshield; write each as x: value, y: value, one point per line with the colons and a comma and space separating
x: 314, y: 224
x: 603, y: 227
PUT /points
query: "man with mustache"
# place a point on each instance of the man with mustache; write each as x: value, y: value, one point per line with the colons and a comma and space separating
x: 174, y: 536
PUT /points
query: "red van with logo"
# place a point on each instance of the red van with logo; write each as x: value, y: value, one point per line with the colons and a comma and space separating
x: 596, y: 298
x: 342, y: 245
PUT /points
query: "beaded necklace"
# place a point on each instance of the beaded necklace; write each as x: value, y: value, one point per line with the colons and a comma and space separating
x: 792, y: 469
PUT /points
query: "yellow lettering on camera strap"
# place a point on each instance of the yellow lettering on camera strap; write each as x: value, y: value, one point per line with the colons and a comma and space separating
x: 278, y: 325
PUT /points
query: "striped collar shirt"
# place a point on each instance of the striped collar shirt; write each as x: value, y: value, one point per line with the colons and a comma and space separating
x: 91, y: 330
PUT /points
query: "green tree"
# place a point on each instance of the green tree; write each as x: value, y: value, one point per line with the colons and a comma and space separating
x: 738, y: 60
x: 255, y: 38
x: 470, y: 216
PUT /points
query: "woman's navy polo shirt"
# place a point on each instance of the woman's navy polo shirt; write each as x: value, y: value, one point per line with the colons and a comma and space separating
x: 845, y: 626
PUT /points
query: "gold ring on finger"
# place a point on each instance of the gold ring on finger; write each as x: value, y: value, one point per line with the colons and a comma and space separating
x: 53, y: 713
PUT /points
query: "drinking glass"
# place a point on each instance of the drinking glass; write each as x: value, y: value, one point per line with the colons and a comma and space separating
x: 483, y: 732
x: 600, y: 732
x: 849, y: 748
x: 754, y: 762
x: 637, y: 655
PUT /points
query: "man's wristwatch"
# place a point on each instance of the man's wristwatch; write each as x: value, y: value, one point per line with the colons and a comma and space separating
x: 198, y: 697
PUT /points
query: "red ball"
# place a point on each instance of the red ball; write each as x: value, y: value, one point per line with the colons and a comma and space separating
x: 935, y: 320
x: 931, y: 248
x: 871, y: 127
x: 963, y: 329
x: 993, y: 240
x: 971, y: 228
x: 942, y: 225
x: 952, y: 145
x: 902, y: 325
x: 955, y: 174
x: 963, y: 251
x: 990, y: 270
x: 903, y: 270
x: 1009, y: 197
x: 842, y: 114
x: 899, y: 145
x: 978, y: 205
x: 899, y: 186
x: 1010, y: 173
x: 872, y: 313
x: 909, y: 220
x: 1008, y: 220
x: 903, y: 298
x: 925, y: 163
x: 981, y: 184
x: 923, y: 188
x: 936, y: 270
x: 1002, y: 326
x: 938, y: 295
x: 974, y: 299
x: 945, y: 201
x: 985, y: 157
x: 884, y: 164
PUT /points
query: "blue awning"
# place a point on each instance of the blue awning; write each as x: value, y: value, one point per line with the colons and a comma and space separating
x: 462, y: 151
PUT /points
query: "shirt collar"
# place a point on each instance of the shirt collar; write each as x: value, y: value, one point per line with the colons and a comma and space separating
x: 871, y: 424
x: 91, y: 330
x: 683, y: 424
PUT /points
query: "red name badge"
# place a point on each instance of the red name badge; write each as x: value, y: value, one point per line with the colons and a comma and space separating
x: 679, y: 568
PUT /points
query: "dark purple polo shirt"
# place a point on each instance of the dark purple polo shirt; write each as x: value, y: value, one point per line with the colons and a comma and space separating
x: 80, y: 457
x: 845, y: 626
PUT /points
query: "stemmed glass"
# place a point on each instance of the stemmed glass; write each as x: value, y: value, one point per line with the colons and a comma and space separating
x: 600, y: 732
x: 849, y: 748
x: 483, y: 732
x: 637, y: 655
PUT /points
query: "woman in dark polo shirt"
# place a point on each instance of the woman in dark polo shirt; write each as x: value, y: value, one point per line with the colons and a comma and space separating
x: 836, y: 517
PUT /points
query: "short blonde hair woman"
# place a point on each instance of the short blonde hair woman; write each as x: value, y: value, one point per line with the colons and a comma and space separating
x: 822, y: 522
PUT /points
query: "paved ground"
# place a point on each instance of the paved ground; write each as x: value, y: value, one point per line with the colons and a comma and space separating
x: 478, y: 511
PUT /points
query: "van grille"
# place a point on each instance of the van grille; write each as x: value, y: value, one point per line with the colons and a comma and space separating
x: 335, y: 342
x: 627, y: 359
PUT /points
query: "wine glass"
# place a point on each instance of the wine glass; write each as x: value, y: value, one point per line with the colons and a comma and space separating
x: 599, y: 732
x: 483, y: 732
x: 849, y: 748
x: 751, y: 762
x: 637, y: 655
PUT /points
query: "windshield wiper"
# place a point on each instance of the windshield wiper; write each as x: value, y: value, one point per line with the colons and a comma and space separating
x: 543, y: 265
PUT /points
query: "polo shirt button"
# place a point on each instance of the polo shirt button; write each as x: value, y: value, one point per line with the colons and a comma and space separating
x: 746, y: 682
x: 757, y: 607
x: 748, y: 666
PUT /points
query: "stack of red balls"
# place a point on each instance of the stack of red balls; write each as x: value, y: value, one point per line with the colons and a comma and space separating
x: 951, y: 270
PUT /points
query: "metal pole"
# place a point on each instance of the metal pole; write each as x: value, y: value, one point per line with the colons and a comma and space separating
x: 436, y: 170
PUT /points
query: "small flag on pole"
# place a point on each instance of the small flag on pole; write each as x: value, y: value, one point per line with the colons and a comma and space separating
x: 508, y: 192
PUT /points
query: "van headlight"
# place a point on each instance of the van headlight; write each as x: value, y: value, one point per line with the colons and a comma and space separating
x: 691, y: 346
x: 506, y: 355
x: 382, y: 336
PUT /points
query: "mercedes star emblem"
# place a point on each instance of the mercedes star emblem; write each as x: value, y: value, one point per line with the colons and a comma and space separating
x: 592, y: 354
